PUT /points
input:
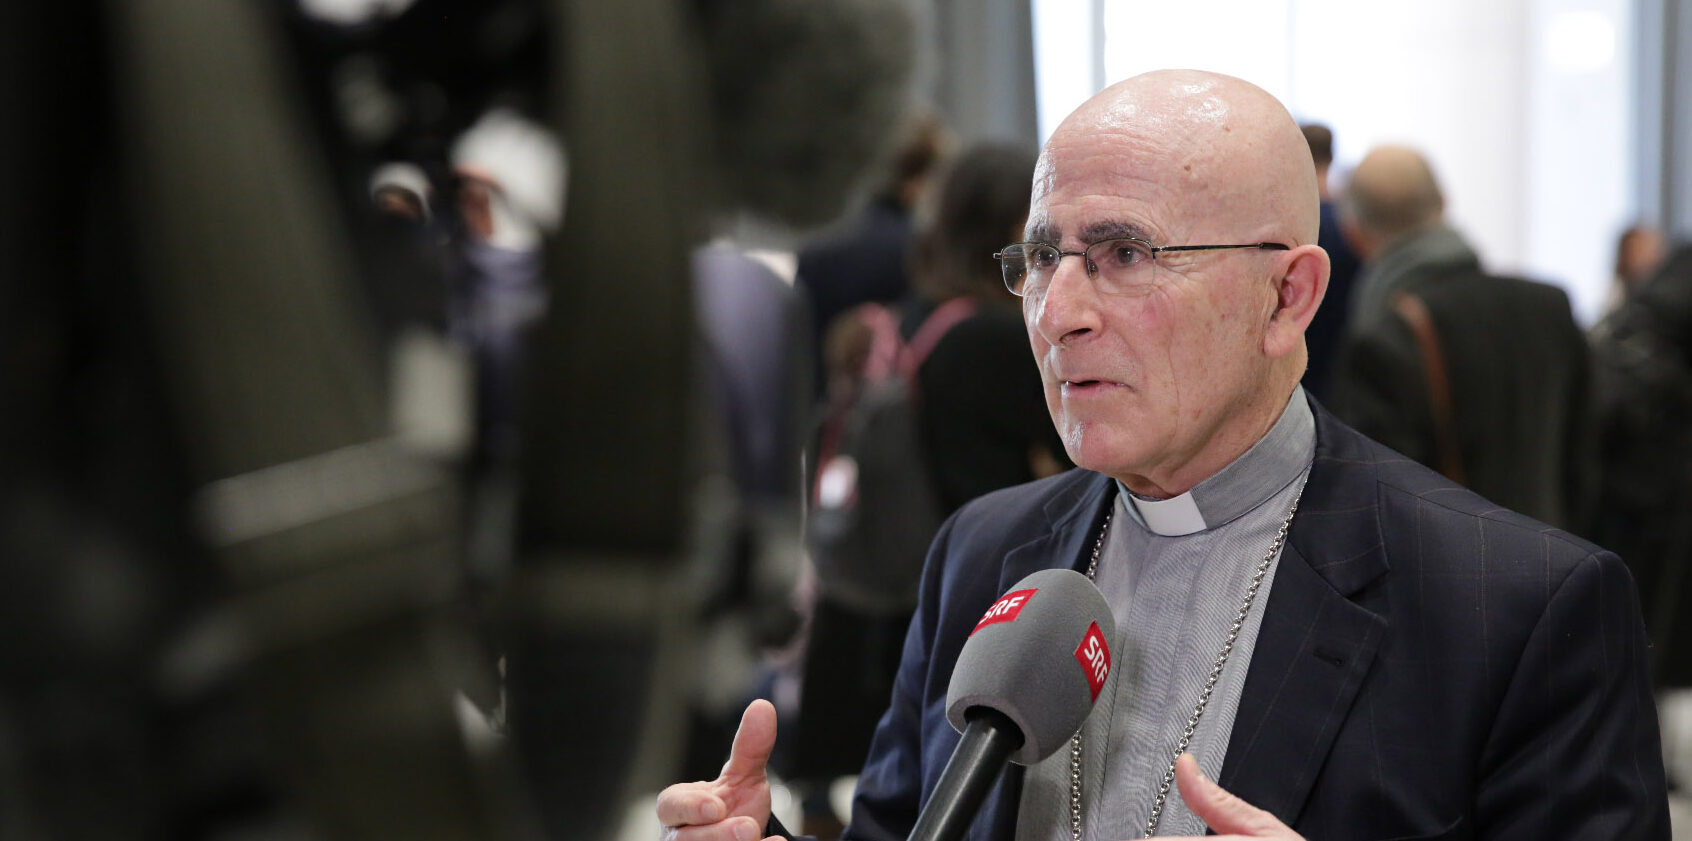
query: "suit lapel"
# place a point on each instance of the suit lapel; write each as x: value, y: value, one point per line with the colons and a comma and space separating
x: 1316, y: 644
x: 1076, y: 517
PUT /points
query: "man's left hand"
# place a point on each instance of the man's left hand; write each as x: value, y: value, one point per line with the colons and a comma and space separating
x: 1230, y: 817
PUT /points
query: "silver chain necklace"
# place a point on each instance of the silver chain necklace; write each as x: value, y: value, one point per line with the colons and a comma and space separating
x: 1204, y: 694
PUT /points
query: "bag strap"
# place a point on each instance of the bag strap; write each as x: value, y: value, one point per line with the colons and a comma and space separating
x: 885, y: 358
x: 933, y: 329
x: 886, y: 346
x: 1415, y: 313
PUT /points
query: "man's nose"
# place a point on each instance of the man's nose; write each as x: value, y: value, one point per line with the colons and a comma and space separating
x: 1067, y: 310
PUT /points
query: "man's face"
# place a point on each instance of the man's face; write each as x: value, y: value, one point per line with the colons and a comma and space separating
x: 1144, y: 387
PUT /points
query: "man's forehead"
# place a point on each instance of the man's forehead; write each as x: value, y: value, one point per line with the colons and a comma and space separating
x: 1091, y: 192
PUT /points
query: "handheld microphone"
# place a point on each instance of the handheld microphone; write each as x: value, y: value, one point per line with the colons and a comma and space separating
x: 1024, y: 682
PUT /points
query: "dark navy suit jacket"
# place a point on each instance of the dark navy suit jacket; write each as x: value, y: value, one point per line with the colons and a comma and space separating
x: 1429, y: 666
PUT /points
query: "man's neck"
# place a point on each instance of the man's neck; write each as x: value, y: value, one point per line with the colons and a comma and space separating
x: 1224, y: 446
x: 1276, y: 459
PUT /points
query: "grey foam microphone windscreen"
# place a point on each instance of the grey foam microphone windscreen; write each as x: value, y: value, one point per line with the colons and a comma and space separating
x: 808, y: 96
x: 1039, y: 655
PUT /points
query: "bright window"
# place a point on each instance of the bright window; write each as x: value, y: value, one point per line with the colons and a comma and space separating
x: 1523, y: 106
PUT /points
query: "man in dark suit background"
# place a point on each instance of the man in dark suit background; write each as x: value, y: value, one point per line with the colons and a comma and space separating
x: 1419, y: 662
x: 1323, y: 336
x: 866, y: 258
x: 1484, y: 378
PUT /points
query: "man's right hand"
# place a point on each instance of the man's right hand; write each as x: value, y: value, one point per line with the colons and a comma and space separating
x: 736, y: 805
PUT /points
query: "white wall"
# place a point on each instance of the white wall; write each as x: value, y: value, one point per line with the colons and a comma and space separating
x: 1522, y: 106
x: 1582, y: 123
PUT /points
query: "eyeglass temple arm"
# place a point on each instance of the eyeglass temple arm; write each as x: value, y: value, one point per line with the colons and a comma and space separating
x: 1263, y: 246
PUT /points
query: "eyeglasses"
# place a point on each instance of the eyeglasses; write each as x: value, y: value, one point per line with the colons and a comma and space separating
x: 1118, y: 266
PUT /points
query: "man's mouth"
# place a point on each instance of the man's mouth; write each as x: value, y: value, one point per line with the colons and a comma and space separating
x: 1082, y: 387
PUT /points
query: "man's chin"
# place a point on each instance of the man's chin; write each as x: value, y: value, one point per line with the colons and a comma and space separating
x: 1096, y: 449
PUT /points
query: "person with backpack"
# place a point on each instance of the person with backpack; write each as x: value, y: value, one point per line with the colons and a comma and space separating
x: 933, y: 403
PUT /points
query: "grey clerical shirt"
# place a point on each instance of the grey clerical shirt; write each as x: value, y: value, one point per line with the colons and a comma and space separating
x: 1175, y: 573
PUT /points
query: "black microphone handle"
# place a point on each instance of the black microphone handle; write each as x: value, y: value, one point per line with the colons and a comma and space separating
x: 988, y: 741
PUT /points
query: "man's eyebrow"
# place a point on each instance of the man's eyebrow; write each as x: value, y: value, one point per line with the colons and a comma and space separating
x: 1095, y: 232
x: 1112, y: 229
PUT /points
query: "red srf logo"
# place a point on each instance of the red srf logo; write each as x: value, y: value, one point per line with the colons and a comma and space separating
x: 1094, y: 656
x: 1005, y: 609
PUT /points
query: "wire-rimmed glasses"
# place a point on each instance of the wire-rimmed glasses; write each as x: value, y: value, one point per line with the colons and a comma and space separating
x: 1119, y: 266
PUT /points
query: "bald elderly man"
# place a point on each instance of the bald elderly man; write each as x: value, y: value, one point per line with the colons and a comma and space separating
x: 1417, y: 662
x: 1513, y: 421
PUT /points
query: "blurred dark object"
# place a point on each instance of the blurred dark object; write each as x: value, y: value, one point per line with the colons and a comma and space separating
x: 804, y: 96
x: 799, y: 98
x: 235, y: 600
x: 1643, y: 354
x: 227, y: 588
x: 338, y: 544
x: 98, y: 569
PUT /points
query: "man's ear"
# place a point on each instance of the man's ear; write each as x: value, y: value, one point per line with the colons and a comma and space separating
x: 1299, y: 290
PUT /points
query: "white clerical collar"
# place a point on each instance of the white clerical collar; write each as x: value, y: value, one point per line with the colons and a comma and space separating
x: 1176, y: 516
x: 1276, y: 460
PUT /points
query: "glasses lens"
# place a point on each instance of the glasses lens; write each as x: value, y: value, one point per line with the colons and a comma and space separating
x: 1121, y: 263
x: 1013, y: 260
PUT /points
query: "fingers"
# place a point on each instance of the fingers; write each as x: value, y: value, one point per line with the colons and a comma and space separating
x: 733, y: 829
x: 690, y: 803
x: 1221, y: 811
x: 752, y: 743
x: 736, y: 805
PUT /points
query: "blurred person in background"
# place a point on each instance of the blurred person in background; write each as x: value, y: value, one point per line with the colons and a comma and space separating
x: 1481, y: 377
x: 980, y: 422
x: 867, y: 258
x: 404, y: 252
x: 402, y: 191
x: 983, y: 415
x: 757, y: 381
x: 1643, y: 363
x: 1326, y: 329
x: 510, y: 175
x: 1398, y: 230
x: 1640, y: 251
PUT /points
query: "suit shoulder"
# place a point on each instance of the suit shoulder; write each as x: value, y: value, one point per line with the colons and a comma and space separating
x: 1418, y: 506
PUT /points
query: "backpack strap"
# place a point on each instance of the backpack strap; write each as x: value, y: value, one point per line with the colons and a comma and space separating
x: 933, y: 329
x: 885, y: 343
x: 882, y: 362
x: 1416, y: 315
